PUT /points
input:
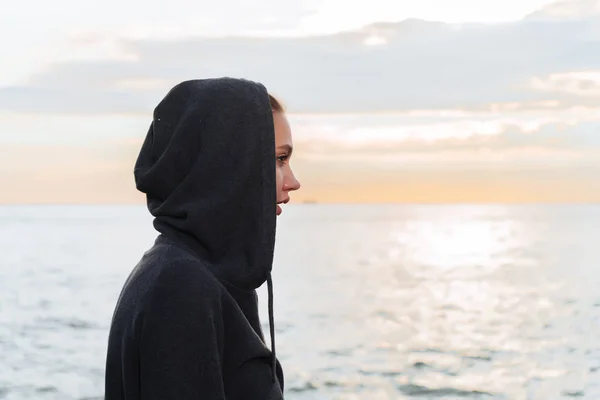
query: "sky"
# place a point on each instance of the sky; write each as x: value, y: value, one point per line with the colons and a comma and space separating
x: 440, y: 101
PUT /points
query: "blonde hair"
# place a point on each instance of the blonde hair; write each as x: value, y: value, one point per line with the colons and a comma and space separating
x: 276, y: 106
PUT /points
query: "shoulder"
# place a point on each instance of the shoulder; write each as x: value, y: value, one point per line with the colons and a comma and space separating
x: 175, y: 277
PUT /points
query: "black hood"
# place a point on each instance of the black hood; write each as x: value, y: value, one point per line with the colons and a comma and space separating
x: 207, y: 167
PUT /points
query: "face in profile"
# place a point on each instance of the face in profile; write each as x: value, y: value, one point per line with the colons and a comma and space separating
x: 286, y: 181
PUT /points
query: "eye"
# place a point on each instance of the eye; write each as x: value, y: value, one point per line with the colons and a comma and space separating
x: 282, y: 158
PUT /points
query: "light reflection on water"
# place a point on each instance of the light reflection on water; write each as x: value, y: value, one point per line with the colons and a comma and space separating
x: 372, y: 302
x: 447, y: 302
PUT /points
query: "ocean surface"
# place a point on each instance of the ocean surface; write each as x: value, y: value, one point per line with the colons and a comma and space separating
x: 371, y: 302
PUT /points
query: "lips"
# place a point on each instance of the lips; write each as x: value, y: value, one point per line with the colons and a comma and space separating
x: 279, y: 210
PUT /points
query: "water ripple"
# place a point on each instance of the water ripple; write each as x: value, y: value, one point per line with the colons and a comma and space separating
x: 391, y: 302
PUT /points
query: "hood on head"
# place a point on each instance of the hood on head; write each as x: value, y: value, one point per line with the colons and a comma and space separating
x: 207, y: 167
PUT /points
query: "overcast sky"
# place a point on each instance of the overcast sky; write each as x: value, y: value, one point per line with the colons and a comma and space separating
x: 411, y: 100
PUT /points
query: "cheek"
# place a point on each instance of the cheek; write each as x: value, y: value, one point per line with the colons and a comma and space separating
x: 279, y: 179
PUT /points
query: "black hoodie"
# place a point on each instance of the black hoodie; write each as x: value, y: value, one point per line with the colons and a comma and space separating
x: 186, y: 324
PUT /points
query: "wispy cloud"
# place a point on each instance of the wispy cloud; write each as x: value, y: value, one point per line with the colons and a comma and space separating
x: 412, y: 64
x: 580, y: 84
x: 550, y: 145
x: 567, y: 9
x: 410, y: 111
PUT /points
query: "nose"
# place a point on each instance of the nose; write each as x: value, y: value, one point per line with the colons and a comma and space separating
x: 292, y: 183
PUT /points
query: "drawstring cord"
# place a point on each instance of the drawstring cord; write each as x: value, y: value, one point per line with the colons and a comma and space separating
x: 272, y: 325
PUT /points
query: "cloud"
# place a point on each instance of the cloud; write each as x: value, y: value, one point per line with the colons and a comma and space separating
x: 582, y: 84
x: 512, y: 147
x: 432, y: 127
x: 411, y: 64
x: 567, y: 9
x: 151, y: 17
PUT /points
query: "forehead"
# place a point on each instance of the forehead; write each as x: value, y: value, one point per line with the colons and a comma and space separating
x: 283, y: 131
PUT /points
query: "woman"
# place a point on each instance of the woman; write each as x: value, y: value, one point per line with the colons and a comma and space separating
x: 215, y: 169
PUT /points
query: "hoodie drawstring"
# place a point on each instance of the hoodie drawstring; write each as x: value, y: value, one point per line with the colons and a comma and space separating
x: 272, y: 325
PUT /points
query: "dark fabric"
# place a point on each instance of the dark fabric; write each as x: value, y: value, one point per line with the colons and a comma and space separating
x: 186, y: 324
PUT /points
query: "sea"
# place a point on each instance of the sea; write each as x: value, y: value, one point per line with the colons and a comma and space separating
x: 372, y: 302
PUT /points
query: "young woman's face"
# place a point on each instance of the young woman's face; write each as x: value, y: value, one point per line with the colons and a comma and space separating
x: 286, y: 181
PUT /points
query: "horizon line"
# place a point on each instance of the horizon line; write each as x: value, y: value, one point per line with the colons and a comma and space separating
x: 316, y: 202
